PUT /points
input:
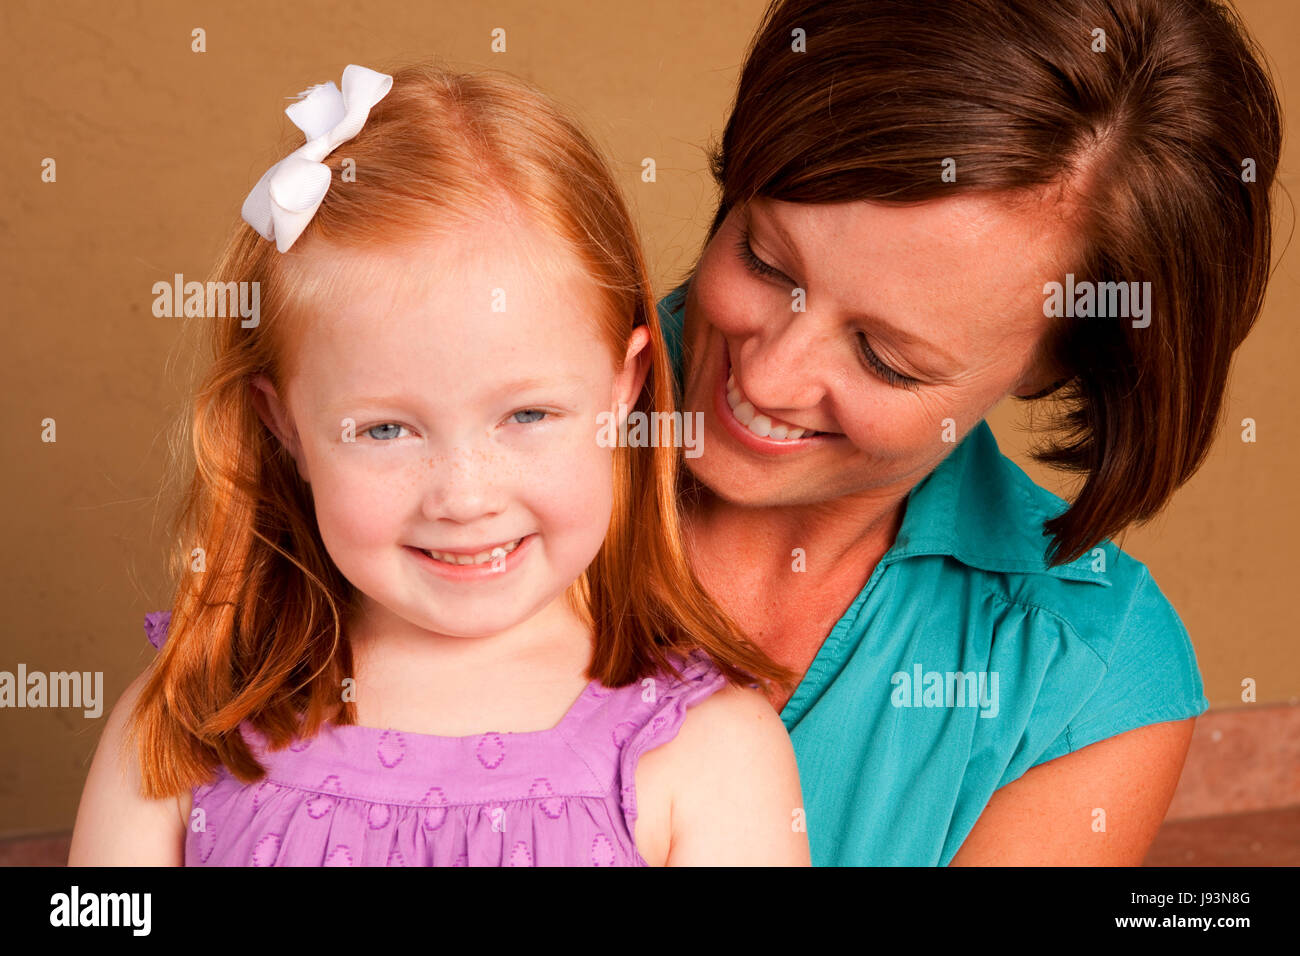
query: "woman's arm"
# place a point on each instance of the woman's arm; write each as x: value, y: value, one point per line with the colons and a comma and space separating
x: 1048, y: 816
x: 734, y: 785
x: 116, y: 825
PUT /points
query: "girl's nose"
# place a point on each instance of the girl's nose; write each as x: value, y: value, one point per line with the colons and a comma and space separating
x: 463, y: 486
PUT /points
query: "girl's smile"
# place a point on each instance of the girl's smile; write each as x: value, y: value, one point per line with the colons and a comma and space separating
x: 492, y: 563
x: 426, y: 448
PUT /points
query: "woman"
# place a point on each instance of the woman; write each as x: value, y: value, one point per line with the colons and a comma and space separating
x: 914, y: 200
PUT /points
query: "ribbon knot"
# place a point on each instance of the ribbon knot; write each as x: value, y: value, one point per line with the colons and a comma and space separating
x: 289, y: 193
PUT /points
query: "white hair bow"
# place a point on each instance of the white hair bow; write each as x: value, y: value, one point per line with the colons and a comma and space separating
x: 290, y: 192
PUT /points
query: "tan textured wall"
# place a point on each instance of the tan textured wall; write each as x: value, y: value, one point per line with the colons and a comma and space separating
x: 156, y: 147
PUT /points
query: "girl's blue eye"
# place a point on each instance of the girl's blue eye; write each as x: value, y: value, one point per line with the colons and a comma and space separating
x: 390, y: 430
x: 370, y: 431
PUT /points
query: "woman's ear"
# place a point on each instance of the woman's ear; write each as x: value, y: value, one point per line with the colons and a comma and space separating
x: 629, y: 381
x: 275, y: 415
x: 1029, y: 394
x: 1040, y: 385
x: 1044, y: 374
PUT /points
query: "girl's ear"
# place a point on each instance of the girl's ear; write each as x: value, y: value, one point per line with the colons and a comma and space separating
x: 275, y: 415
x: 629, y: 381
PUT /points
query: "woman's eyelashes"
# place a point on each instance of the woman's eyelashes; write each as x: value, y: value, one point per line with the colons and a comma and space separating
x: 755, y: 264
x: 537, y: 414
x: 897, y: 379
x: 760, y: 268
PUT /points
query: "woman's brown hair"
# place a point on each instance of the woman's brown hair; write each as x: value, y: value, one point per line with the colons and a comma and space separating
x: 1165, y: 123
x: 257, y: 635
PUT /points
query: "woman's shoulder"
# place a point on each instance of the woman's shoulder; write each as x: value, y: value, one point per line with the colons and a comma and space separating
x: 671, y: 322
x: 1095, y: 643
x: 980, y: 507
x: 1139, y: 668
x: 1107, y: 652
x: 672, y: 301
x: 1109, y: 603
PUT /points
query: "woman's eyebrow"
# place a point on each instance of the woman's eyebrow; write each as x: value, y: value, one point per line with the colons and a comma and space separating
x: 771, y: 219
x: 950, y: 364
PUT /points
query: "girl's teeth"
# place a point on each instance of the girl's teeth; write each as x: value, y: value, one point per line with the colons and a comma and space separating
x: 761, y: 425
x: 481, y: 558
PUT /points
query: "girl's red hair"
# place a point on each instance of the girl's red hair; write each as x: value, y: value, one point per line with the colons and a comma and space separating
x: 257, y: 634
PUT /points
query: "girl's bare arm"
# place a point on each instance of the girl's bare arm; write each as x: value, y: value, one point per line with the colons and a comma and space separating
x: 116, y: 825
x: 736, y: 799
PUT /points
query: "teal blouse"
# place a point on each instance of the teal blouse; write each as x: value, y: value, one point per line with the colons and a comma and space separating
x: 965, y: 661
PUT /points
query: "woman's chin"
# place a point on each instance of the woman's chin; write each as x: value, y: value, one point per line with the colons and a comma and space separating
x: 739, y: 481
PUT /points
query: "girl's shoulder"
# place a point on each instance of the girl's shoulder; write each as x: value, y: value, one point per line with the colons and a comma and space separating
x: 688, y: 742
x: 705, y: 715
x: 654, y: 712
x: 116, y: 823
x: 725, y: 769
x: 633, y: 719
x: 155, y: 627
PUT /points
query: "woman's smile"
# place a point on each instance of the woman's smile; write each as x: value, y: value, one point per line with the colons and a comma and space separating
x: 757, y: 430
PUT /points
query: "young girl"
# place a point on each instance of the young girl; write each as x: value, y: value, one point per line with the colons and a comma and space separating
x: 426, y: 614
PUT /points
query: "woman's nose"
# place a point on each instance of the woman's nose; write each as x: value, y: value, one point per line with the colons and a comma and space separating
x: 782, y: 368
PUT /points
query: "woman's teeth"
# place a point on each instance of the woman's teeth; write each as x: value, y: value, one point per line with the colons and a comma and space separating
x: 481, y: 558
x: 762, y: 425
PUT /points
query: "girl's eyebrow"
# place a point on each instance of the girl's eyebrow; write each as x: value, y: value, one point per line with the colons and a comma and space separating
x: 518, y: 385
x: 537, y: 381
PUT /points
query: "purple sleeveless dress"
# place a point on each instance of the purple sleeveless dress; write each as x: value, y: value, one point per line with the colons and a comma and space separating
x: 365, y: 796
